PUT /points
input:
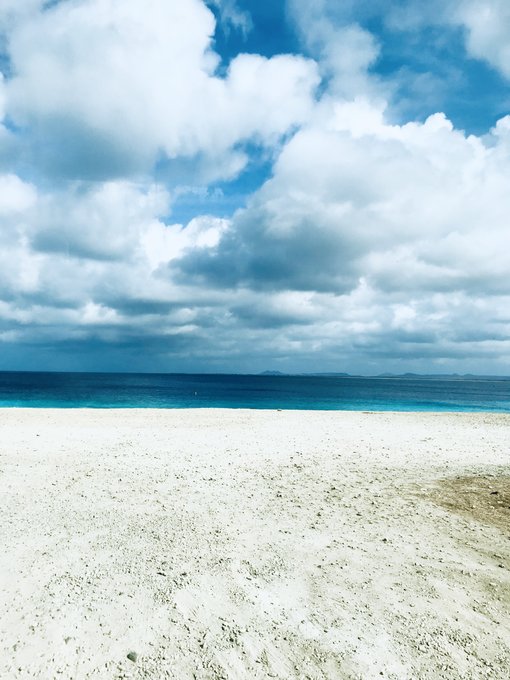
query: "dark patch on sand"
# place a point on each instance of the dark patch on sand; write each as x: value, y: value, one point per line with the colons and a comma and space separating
x: 484, y: 498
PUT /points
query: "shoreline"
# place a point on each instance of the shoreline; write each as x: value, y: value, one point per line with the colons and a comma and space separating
x: 251, y: 409
x: 253, y: 543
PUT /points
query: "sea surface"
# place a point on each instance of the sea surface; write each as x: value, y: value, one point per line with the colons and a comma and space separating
x: 131, y: 390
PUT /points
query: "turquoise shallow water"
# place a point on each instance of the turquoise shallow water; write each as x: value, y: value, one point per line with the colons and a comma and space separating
x: 129, y: 390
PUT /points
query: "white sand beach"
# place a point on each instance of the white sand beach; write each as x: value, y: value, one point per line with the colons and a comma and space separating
x: 233, y: 544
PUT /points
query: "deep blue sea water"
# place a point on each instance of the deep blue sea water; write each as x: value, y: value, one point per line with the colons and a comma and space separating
x: 130, y: 390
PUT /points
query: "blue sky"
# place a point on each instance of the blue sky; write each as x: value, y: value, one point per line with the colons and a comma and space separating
x: 241, y: 186
x: 469, y: 91
x: 430, y: 69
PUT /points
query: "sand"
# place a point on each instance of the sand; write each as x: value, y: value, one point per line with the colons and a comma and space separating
x: 241, y: 544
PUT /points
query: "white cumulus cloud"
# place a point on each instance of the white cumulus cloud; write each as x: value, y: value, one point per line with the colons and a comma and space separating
x: 488, y: 30
x: 118, y: 83
x: 416, y: 214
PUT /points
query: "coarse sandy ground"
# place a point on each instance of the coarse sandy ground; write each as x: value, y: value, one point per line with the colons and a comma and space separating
x: 241, y: 544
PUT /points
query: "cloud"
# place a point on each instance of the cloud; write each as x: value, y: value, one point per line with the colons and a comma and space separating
x: 486, y: 24
x: 106, y: 88
x: 7, y: 142
x: 371, y: 241
x: 96, y: 221
x: 415, y: 56
x: 370, y: 245
x: 488, y: 31
x: 13, y: 11
x: 344, y: 50
x: 16, y: 197
x: 232, y: 16
x: 416, y: 214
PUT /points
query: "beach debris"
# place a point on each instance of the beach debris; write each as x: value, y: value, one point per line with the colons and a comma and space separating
x: 132, y: 656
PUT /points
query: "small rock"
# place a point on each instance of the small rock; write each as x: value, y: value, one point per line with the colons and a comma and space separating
x: 132, y: 656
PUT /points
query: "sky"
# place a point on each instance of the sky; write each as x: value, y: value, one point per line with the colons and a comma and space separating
x: 250, y: 185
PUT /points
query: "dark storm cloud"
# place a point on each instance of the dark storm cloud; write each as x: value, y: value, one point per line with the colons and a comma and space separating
x: 263, y: 315
x: 255, y: 254
x: 139, y: 306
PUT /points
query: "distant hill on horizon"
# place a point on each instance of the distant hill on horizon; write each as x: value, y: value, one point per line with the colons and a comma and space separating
x: 422, y: 376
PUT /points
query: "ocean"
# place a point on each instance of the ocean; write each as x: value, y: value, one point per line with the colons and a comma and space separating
x: 132, y: 390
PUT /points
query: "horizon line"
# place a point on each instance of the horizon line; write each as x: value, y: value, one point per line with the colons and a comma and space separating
x: 271, y: 374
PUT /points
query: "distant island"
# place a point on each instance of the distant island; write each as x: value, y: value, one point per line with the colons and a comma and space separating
x: 396, y: 376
